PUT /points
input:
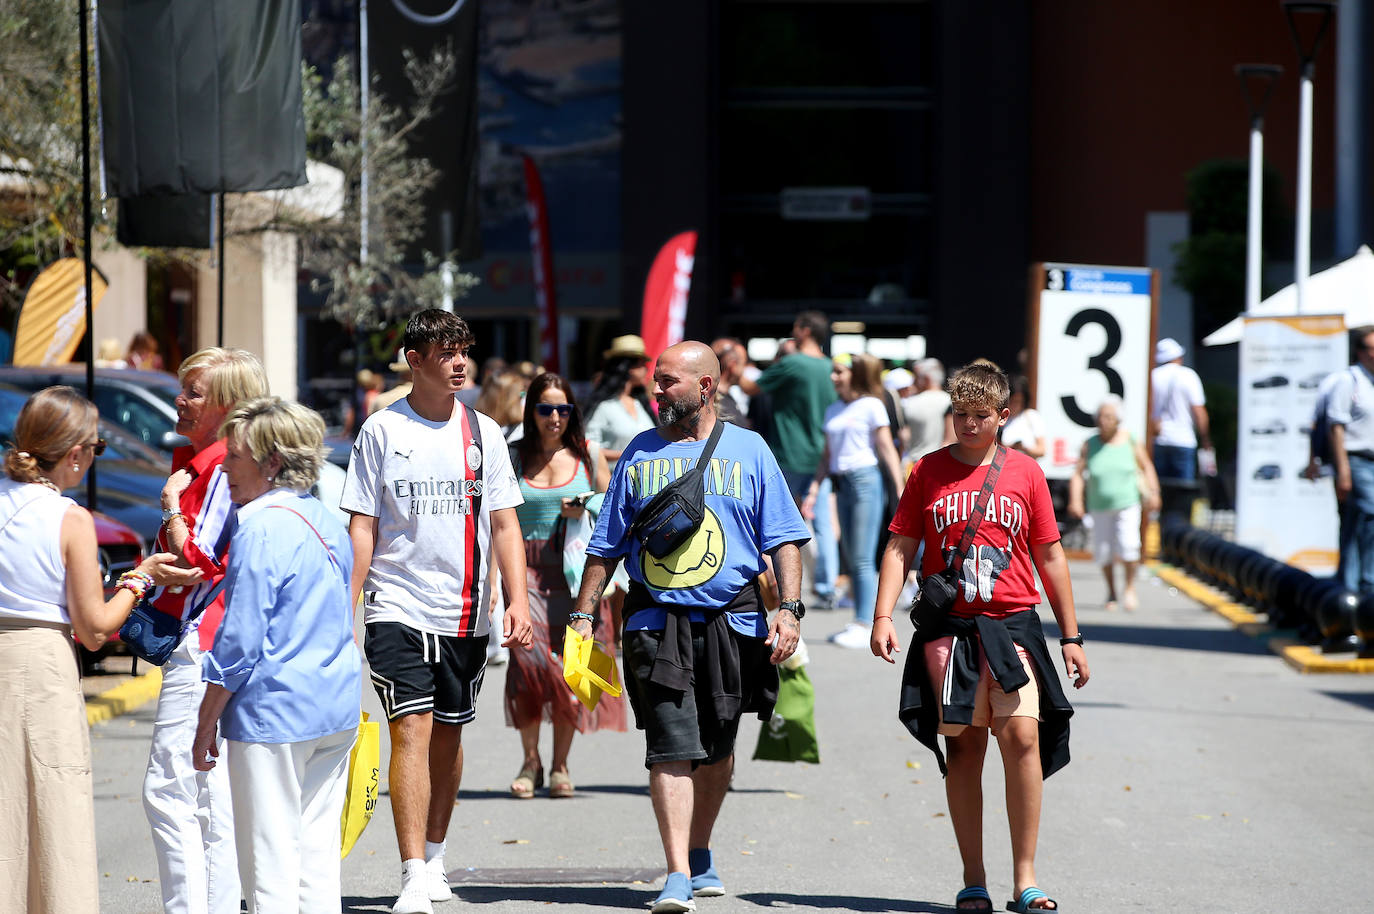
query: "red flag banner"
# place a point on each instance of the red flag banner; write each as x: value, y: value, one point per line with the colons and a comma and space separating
x: 665, y: 294
x: 541, y: 249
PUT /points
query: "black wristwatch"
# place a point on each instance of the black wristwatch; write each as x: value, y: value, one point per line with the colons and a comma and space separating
x: 1076, y: 639
x: 795, y: 607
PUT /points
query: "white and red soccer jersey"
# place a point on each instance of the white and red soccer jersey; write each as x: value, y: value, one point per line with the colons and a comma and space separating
x: 997, y: 574
x: 422, y: 481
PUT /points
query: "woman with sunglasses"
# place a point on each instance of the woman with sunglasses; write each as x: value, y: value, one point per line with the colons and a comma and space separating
x: 50, y: 587
x: 558, y: 470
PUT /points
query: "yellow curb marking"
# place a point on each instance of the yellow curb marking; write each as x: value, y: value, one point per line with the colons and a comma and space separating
x: 1301, y: 657
x: 1307, y: 659
x: 124, y: 698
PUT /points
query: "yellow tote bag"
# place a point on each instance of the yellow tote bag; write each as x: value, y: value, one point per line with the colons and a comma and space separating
x: 364, y: 774
x: 588, y: 670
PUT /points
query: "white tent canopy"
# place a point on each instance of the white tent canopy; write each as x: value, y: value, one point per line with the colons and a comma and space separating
x: 1347, y: 288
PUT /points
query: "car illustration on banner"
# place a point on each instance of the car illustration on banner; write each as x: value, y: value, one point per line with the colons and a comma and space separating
x: 1274, y: 380
x: 1272, y: 427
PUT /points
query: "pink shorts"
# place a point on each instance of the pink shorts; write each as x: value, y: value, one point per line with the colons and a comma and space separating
x: 990, y: 703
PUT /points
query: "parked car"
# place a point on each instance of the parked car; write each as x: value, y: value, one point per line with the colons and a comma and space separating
x: 143, y: 403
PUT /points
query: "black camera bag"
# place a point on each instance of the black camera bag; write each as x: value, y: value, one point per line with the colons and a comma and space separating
x: 674, y: 514
x: 939, y: 591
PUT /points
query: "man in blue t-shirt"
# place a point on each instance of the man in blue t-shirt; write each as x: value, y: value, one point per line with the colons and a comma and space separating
x: 699, y: 651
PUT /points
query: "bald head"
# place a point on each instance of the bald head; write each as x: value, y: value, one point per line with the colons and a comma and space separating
x: 685, y: 381
x: 692, y: 359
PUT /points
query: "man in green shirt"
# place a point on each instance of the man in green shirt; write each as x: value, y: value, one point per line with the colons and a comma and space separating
x: 800, y: 387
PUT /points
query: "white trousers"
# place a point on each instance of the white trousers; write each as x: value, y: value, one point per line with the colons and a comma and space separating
x: 189, y: 810
x: 288, y: 799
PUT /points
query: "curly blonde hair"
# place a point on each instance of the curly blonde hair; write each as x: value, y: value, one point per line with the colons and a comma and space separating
x: 980, y: 384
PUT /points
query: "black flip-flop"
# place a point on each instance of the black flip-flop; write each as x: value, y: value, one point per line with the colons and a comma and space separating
x: 1031, y: 893
x: 974, y: 893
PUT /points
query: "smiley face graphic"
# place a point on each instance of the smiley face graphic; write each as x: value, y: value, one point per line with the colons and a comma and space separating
x: 690, y: 565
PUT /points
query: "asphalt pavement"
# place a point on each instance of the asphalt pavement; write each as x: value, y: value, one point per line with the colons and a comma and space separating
x: 1207, y: 775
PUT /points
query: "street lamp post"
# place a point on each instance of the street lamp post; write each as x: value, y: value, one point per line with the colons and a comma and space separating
x: 1322, y: 11
x: 1260, y: 78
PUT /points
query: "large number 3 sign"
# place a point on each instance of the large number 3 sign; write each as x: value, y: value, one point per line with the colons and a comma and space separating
x: 1092, y: 332
x: 1099, y: 362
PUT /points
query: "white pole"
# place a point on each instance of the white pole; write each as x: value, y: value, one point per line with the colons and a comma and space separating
x: 1302, y: 257
x: 1254, y: 227
x: 364, y: 87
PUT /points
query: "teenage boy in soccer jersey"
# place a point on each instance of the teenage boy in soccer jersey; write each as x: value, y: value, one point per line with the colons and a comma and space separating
x: 985, y: 667
x: 432, y: 497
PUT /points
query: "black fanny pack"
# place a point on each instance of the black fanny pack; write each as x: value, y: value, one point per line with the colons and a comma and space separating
x: 674, y: 514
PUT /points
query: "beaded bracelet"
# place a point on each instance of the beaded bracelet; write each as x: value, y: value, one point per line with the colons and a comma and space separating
x: 136, y: 582
x: 573, y: 617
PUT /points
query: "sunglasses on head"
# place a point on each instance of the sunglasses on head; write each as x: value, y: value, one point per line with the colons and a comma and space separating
x: 548, y: 409
x: 98, y: 446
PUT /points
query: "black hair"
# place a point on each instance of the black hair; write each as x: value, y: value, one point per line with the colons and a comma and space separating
x: 612, y: 384
x: 435, y: 327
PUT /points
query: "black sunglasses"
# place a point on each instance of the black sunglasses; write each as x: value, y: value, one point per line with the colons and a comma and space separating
x: 548, y: 409
x: 98, y: 446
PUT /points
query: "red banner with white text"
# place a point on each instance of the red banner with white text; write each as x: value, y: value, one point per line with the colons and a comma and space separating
x: 541, y: 250
x: 665, y: 294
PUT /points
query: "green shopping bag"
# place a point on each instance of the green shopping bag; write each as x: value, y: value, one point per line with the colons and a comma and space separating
x: 790, y: 736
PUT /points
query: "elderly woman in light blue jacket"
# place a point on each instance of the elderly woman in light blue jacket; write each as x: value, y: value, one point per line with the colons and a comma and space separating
x: 284, y: 678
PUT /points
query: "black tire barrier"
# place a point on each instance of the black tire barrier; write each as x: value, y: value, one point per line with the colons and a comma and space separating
x: 1364, y: 625
x: 1289, y: 589
x: 1320, y: 609
x: 1336, y: 619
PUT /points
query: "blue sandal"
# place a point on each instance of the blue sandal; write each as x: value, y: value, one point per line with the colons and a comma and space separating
x: 974, y: 893
x: 1023, y: 904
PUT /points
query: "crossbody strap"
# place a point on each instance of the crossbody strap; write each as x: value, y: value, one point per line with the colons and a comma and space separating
x: 704, y: 460
x: 330, y: 552
x: 980, y: 507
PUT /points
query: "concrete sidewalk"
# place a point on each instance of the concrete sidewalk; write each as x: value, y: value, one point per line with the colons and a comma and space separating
x: 1207, y: 776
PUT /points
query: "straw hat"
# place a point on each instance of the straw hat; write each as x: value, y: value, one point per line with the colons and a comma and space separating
x: 400, y: 364
x: 629, y: 346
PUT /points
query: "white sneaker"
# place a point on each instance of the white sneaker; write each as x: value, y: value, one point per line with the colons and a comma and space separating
x: 439, y: 889
x: 414, y: 897
x: 853, y: 636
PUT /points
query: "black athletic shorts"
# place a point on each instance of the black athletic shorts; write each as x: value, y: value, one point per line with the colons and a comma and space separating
x: 683, y: 726
x: 416, y: 672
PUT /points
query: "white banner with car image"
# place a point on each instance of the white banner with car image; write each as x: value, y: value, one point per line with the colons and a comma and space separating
x: 1278, y: 509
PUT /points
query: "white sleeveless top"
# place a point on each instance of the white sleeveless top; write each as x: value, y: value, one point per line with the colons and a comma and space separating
x: 33, y: 577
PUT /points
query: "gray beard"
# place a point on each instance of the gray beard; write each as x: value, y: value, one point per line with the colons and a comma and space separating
x: 676, y: 412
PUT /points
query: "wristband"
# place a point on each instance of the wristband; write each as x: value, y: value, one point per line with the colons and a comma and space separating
x: 878, y: 618
x: 136, y: 582
x: 573, y: 617
x: 1076, y: 639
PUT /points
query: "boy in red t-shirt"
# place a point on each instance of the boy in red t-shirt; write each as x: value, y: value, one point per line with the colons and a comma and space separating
x: 986, y: 668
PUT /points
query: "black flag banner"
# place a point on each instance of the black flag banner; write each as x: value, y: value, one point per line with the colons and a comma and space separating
x: 180, y: 221
x: 200, y: 96
x: 449, y: 140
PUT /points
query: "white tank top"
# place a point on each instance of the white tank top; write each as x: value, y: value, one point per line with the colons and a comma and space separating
x: 33, y: 577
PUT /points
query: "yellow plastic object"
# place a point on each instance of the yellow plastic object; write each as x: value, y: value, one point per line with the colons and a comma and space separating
x: 364, y: 770
x: 588, y: 670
